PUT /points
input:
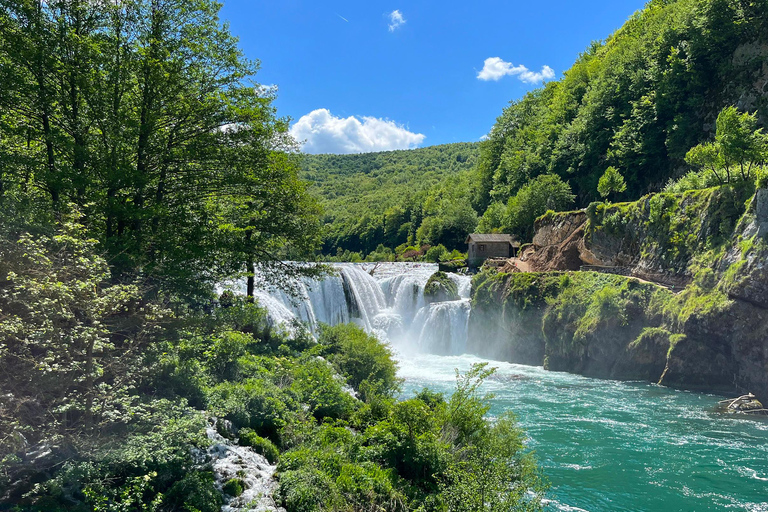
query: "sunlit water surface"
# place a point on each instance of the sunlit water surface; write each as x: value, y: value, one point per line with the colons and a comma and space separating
x: 614, y: 446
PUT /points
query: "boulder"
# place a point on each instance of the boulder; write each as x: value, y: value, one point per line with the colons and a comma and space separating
x: 440, y: 288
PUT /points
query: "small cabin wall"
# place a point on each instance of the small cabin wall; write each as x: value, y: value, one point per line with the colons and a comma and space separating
x: 480, y: 251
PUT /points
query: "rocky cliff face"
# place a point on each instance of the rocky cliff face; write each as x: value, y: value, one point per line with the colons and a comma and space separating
x: 711, y: 334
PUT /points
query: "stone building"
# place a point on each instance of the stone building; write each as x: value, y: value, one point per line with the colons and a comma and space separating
x: 484, y: 246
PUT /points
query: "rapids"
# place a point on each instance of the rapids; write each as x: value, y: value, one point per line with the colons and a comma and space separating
x: 603, y: 445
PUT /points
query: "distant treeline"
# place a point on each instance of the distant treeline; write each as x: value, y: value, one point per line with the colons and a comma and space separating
x: 394, y: 197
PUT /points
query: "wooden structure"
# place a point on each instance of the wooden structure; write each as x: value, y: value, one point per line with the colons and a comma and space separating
x: 484, y: 246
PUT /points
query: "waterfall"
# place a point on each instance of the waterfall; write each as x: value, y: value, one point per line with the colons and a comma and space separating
x: 388, y: 302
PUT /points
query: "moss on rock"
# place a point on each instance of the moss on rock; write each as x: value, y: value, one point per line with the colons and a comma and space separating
x: 440, y: 288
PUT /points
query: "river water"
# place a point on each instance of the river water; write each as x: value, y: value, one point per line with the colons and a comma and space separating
x: 602, y: 445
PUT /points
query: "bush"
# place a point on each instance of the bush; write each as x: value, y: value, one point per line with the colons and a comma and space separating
x: 693, y: 180
x: 254, y: 403
x: 306, y: 490
x: 260, y: 445
x: 316, y: 385
x: 233, y: 487
x: 362, y: 358
x: 436, y: 254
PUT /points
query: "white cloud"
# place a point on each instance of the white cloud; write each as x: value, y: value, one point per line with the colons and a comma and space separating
x: 395, y: 20
x: 495, y: 69
x: 322, y: 132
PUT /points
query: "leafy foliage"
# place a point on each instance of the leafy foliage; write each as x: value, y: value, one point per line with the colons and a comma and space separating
x: 739, y: 144
x: 145, y: 115
x: 395, y: 197
x: 637, y: 101
x: 612, y: 182
x: 543, y: 193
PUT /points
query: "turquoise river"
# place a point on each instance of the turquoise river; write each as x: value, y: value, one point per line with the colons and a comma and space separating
x: 620, y: 446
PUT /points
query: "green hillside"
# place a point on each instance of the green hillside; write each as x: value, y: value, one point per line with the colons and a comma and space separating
x: 637, y: 101
x: 385, y: 198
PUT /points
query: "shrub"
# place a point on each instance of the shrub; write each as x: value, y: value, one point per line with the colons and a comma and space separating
x: 362, y: 358
x: 254, y: 403
x: 306, y: 490
x: 233, y: 487
x: 223, y: 354
x: 196, y: 491
x: 260, y: 445
x: 545, y: 192
x: 436, y: 254
x: 316, y: 385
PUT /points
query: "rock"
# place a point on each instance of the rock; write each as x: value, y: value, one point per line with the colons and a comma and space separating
x: 440, y: 288
x: 761, y: 212
x: 556, y: 229
x: 745, y: 404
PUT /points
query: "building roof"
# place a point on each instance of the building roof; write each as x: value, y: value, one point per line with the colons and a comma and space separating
x: 491, y: 238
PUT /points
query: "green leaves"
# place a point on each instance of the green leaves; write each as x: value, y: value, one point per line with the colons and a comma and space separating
x: 67, y: 334
x: 739, y: 145
x: 611, y: 182
x: 146, y: 115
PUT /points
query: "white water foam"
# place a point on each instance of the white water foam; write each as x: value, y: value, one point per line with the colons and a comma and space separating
x: 385, y: 299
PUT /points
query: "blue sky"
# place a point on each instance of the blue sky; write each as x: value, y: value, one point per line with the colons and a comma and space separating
x: 377, y: 75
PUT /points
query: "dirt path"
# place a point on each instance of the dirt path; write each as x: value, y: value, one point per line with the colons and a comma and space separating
x: 524, y: 266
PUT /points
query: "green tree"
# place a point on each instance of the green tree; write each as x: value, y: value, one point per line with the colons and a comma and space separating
x: 611, y: 182
x: 739, y: 144
x: 545, y: 192
x: 146, y: 115
x: 742, y: 144
x: 706, y: 156
x: 70, y: 342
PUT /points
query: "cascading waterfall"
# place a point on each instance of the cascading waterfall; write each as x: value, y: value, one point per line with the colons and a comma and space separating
x: 386, y: 299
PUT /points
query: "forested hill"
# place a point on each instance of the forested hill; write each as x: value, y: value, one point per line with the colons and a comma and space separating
x: 382, y: 198
x: 637, y: 101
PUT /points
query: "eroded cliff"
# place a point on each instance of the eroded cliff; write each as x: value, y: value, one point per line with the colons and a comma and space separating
x: 692, y: 311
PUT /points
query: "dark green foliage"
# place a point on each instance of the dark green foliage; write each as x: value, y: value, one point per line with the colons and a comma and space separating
x: 68, y: 337
x: 638, y: 101
x: 254, y: 403
x: 316, y: 384
x: 233, y: 487
x: 423, y: 452
x: 533, y: 199
x: 260, y: 445
x: 146, y: 116
x: 385, y: 198
x: 152, y: 465
x: 436, y: 254
x: 364, y: 360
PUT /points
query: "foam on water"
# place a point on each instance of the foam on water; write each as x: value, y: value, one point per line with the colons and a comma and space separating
x: 230, y: 461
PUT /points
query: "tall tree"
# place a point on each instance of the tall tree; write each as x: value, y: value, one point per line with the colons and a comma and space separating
x: 146, y: 114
